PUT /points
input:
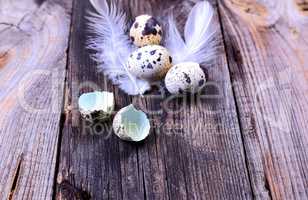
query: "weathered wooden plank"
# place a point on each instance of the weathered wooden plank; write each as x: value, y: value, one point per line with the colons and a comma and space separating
x: 195, y: 153
x: 267, y: 51
x: 33, y: 43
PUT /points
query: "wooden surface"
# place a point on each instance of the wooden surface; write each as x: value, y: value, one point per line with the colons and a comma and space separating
x: 267, y: 55
x: 34, y: 40
x: 246, y: 138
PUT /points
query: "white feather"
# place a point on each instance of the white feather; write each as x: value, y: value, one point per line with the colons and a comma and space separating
x: 113, y: 46
x: 199, y: 43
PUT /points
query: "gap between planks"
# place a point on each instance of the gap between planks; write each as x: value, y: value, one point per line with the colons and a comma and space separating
x: 235, y: 100
x: 64, y: 110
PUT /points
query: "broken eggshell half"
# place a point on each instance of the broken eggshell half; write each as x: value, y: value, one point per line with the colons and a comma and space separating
x: 96, y: 105
x: 130, y: 124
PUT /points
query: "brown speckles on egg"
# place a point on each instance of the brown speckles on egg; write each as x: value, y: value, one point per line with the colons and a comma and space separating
x: 146, y: 30
x: 150, y: 27
x: 188, y: 77
x: 170, y: 59
x: 118, y: 129
x: 136, y: 25
x: 150, y: 66
x: 201, y: 82
x: 153, y: 52
x: 139, y: 56
x: 150, y: 62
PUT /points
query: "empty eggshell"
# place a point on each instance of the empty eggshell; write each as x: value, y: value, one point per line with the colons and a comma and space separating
x: 96, y: 105
x: 150, y: 62
x: 185, y: 77
x: 146, y: 31
x: 131, y: 124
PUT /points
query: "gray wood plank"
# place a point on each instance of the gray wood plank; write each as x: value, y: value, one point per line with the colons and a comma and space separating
x: 196, y: 153
x: 33, y: 43
x: 267, y: 51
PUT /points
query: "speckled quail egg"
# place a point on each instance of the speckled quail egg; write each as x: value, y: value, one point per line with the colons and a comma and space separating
x: 145, y: 31
x: 150, y: 62
x: 185, y: 77
x: 131, y: 124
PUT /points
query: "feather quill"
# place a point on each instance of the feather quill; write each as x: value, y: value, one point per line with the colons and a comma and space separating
x: 113, y: 46
x: 199, y: 43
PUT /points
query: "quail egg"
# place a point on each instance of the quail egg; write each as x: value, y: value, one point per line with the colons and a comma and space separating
x: 96, y: 105
x: 131, y: 124
x: 145, y: 31
x: 185, y: 77
x: 150, y: 62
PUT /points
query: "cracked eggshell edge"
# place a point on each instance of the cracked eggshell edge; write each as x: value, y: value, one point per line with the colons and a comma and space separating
x: 105, y: 107
x: 119, y: 127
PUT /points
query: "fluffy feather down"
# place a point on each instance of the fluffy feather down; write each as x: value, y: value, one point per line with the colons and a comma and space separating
x: 199, y: 43
x: 113, y: 46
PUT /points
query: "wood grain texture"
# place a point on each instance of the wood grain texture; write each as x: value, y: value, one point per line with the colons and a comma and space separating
x: 194, y: 153
x: 267, y: 52
x: 33, y: 43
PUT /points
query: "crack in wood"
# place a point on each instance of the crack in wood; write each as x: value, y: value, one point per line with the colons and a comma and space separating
x: 64, y: 113
x: 15, y: 178
x: 62, y: 121
x: 61, y: 125
x: 4, y: 58
x: 144, y: 187
x: 267, y: 187
x: 10, y: 25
